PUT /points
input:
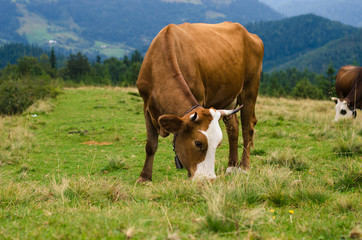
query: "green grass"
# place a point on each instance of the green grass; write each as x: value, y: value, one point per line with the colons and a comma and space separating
x: 68, y: 169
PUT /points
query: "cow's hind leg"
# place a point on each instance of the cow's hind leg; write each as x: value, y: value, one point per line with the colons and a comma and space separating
x: 248, y: 121
x: 232, y: 129
x: 151, y: 148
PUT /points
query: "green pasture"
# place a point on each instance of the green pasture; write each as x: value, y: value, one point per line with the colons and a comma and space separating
x: 68, y: 169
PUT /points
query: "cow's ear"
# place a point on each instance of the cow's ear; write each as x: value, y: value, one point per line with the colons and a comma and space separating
x: 170, y: 123
x: 335, y: 99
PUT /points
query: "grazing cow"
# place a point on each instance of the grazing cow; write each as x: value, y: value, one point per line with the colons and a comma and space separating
x: 189, y: 71
x: 349, y: 92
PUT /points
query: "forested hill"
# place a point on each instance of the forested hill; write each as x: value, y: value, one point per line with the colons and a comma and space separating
x: 340, y: 52
x: 297, y: 41
x: 108, y: 27
x: 118, y: 27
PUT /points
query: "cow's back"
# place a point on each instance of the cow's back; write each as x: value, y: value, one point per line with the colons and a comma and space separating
x: 345, y: 79
x: 222, y: 57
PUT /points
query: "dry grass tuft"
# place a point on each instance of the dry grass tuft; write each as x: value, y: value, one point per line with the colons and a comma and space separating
x: 346, y: 204
x: 41, y: 107
x: 130, y: 232
x: 288, y: 158
x: 349, y: 176
x: 16, y: 141
x: 349, y: 143
x: 356, y: 233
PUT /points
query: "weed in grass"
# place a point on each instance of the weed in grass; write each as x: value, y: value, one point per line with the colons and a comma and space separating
x: 16, y: 143
x: 349, y: 177
x: 277, y: 186
x: 311, y: 194
x: 222, y: 217
x: 41, y: 107
x: 349, y: 143
x: 182, y: 191
x: 59, y: 189
x: 114, y: 163
x: 322, y: 133
x: 356, y: 233
x: 218, y: 217
x: 13, y: 194
x: 25, y: 168
x: 88, y: 190
x: 118, y: 192
x: 278, y: 134
x: 287, y: 158
x: 23, y: 171
x: 346, y: 204
x: 258, y: 152
x: 245, y: 189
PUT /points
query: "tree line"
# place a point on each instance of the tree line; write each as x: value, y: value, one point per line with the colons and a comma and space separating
x: 32, y: 78
x: 299, y: 84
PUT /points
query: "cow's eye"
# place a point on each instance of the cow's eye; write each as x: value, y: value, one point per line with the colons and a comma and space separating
x: 198, y: 144
x: 343, y: 112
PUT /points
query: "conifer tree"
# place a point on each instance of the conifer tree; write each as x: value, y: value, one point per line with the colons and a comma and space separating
x: 53, y: 60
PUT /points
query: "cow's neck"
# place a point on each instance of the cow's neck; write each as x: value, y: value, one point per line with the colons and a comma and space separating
x: 182, y: 100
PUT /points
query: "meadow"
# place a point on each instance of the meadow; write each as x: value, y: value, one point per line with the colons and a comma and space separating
x: 68, y: 169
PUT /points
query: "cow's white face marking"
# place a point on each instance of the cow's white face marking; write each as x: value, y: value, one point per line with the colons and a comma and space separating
x: 342, y: 111
x: 213, y: 134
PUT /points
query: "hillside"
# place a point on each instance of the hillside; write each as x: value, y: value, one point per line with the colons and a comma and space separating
x: 119, y: 26
x: 347, y: 12
x: 344, y: 51
x: 288, y: 39
x: 115, y: 27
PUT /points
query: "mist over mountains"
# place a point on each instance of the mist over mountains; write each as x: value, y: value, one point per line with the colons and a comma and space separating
x: 117, y: 27
x: 345, y: 11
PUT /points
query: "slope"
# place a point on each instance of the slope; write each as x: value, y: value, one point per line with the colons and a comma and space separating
x: 344, y: 51
x: 107, y: 27
x: 288, y: 39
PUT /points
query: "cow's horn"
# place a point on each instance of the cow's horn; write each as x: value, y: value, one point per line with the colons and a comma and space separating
x: 193, y: 117
x: 334, y: 99
x: 230, y: 112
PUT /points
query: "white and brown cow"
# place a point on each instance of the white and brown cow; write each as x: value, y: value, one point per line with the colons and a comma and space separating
x: 349, y: 92
x: 189, y: 71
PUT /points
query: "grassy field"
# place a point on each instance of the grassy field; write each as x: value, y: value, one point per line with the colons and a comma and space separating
x: 68, y: 169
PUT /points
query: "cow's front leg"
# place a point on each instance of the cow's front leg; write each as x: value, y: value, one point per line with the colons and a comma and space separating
x: 151, y: 148
x: 232, y: 129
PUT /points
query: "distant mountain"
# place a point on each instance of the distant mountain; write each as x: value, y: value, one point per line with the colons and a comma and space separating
x: 340, y: 52
x: 294, y: 38
x: 348, y: 12
x: 115, y: 27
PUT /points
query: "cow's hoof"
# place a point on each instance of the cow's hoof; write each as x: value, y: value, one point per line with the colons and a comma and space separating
x: 233, y: 170
x: 143, y: 180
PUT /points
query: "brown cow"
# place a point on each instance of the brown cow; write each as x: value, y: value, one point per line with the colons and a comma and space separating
x: 349, y: 92
x: 188, y: 71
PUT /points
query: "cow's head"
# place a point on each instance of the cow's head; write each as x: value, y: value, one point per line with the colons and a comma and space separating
x: 197, y: 135
x: 343, y: 110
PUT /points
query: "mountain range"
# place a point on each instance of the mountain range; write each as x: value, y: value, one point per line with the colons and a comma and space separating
x: 117, y: 27
x: 345, y: 11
